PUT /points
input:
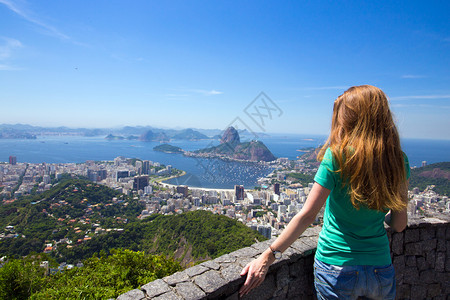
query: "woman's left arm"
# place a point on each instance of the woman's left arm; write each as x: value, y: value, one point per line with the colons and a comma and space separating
x: 257, y: 269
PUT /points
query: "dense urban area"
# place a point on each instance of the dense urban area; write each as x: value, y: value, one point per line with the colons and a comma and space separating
x: 268, y: 207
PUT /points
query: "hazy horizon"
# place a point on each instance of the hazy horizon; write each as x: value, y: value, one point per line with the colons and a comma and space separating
x: 202, y: 64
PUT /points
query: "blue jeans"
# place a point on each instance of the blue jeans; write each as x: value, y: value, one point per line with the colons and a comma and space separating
x: 351, y: 282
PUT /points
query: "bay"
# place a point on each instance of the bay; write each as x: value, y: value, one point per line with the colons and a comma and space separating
x: 208, y: 173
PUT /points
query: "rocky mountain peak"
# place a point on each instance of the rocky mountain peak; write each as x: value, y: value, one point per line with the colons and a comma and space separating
x: 230, y: 136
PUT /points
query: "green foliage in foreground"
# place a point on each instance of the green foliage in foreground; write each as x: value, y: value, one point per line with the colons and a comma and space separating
x: 100, y: 278
x: 435, y: 174
x: 19, y: 278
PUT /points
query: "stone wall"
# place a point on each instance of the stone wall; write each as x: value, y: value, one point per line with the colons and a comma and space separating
x: 421, y: 256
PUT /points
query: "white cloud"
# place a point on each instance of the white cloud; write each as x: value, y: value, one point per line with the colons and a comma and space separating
x: 7, y: 48
x: 13, y: 6
x: 206, y: 92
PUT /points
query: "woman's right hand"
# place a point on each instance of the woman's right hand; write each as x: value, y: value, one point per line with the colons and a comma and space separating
x: 256, y: 272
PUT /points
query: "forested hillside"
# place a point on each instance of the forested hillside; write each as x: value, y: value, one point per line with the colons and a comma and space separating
x: 80, y: 221
x: 65, y: 214
x: 188, y: 237
x: 437, y: 174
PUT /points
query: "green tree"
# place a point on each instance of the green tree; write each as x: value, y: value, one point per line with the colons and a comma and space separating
x: 20, y: 278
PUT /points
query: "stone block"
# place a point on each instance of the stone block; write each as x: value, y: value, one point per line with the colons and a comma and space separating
x: 189, y: 291
x: 440, y: 262
x: 282, y: 277
x: 225, y: 259
x: 447, y: 245
x: 441, y: 247
x: 403, y: 291
x: 427, y: 233
x: 132, y: 295
x: 421, y: 263
x: 233, y: 273
x: 446, y: 288
x: 244, y: 261
x: 210, y: 281
x: 176, y: 278
x: 428, y: 245
x: 418, y: 292
x: 195, y: 270
x: 155, y: 288
x: 411, y: 261
x: 298, y: 288
x: 263, y: 292
x: 311, y: 231
x: 441, y: 277
x: 310, y: 246
x: 447, y: 264
x: 280, y: 293
x: 300, y: 247
x: 297, y: 269
x: 447, y: 233
x: 413, y: 249
x: 397, y: 243
x: 426, y: 276
x: 211, y: 265
x: 245, y: 252
x: 399, y: 267
x: 412, y: 235
x: 433, y: 290
x: 234, y: 296
x: 261, y: 247
x: 411, y: 276
x: 430, y: 258
x: 440, y: 232
x: 292, y: 254
x: 168, y: 296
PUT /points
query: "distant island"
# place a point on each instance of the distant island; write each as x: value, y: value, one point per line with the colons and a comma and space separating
x: 119, y: 137
x: 168, y: 148
x: 231, y: 148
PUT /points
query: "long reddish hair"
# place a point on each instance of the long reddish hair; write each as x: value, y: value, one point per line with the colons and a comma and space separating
x: 366, y: 146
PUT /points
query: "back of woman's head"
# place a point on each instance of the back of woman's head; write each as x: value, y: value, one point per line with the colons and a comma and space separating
x: 366, y: 145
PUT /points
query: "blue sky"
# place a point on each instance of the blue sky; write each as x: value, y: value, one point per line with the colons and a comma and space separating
x: 200, y: 64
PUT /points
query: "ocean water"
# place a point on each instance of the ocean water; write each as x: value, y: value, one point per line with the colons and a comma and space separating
x: 210, y: 173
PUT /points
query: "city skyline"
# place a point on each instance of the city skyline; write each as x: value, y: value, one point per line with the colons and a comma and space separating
x: 202, y: 64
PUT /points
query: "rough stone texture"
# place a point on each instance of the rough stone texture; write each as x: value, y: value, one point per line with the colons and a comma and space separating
x: 397, y: 243
x: 188, y: 290
x: 264, y: 291
x: 412, y: 236
x: 176, y: 278
x: 420, y: 255
x: 196, y: 270
x: 132, y: 295
x: 168, y: 296
x: 211, y: 265
x: 156, y: 288
x: 209, y: 281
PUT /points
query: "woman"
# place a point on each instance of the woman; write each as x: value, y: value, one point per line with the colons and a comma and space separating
x: 363, y: 178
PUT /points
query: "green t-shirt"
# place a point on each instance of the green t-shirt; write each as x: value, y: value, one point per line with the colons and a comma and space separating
x: 349, y: 236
